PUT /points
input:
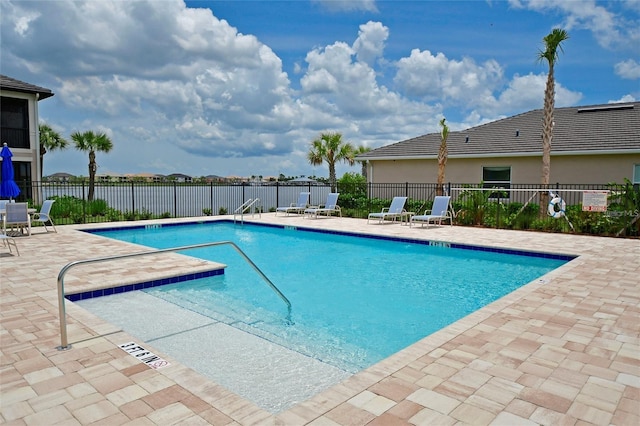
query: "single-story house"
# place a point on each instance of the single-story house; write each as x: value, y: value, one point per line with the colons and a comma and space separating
x: 595, y: 144
x: 19, y: 128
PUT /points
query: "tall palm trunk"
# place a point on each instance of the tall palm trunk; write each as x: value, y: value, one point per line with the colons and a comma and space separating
x: 547, y: 137
x: 553, y: 44
x: 332, y: 176
x: 92, y: 174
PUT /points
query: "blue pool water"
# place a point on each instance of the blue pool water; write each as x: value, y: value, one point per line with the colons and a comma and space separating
x: 354, y: 300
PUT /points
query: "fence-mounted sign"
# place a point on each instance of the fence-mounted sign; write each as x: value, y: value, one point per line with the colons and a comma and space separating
x: 594, y: 201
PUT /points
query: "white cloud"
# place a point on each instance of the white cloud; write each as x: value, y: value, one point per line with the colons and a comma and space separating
x: 179, y: 89
x: 625, y: 98
x: 369, y: 45
x: 435, y: 77
x: 609, y: 29
x: 629, y: 69
x: 348, y: 5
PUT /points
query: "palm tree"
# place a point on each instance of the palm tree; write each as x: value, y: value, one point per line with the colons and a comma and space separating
x: 330, y: 148
x: 362, y: 150
x: 442, y: 156
x: 50, y: 140
x: 553, y: 45
x: 92, y: 142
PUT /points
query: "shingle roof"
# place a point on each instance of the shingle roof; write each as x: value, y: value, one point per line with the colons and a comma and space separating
x: 608, y: 128
x: 8, y: 83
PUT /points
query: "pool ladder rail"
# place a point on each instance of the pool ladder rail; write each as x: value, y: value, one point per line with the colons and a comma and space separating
x: 64, y: 343
x: 249, y: 205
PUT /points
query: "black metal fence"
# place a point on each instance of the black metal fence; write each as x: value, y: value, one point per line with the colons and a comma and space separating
x: 512, y: 207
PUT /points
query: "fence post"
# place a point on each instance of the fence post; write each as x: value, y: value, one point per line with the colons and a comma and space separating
x: 406, y: 189
x: 133, y: 200
x: 211, y: 197
x: 84, y: 204
x: 498, y: 212
x: 175, y: 199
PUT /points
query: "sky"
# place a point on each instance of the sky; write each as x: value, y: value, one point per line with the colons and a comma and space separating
x: 242, y: 88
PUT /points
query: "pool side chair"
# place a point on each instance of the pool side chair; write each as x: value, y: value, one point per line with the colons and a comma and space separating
x: 439, y: 212
x: 16, y: 216
x: 394, y: 211
x: 7, y: 241
x: 328, y: 208
x: 298, y: 207
x: 44, y: 215
x: 3, y: 203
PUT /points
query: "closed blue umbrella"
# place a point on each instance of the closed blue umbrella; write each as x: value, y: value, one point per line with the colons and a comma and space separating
x: 8, y: 187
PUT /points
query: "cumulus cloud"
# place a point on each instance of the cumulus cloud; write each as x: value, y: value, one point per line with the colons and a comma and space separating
x: 160, y: 76
x: 628, y: 69
x: 609, y: 30
x: 370, y: 43
x: 433, y: 77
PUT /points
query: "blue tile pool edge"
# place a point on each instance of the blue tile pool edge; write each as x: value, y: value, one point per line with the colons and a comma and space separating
x: 89, y: 294
x: 554, y: 256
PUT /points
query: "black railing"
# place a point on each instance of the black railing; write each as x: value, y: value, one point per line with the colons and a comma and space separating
x: 516, y: 207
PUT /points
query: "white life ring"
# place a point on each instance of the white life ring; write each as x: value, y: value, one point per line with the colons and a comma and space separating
x: 552, y: 207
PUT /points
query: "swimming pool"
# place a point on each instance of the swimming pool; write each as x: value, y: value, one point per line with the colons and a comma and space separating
x: 354, y: 300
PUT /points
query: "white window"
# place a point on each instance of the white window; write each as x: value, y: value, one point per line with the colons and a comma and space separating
x: 636, y: 173
x: 497, y: 177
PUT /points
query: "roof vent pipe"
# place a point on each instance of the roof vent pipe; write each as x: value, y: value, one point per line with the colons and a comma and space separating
x: 466, y: 140
x: 517, y: 132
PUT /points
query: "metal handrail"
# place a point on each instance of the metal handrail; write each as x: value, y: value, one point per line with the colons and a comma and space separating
x: 64, y: 343
x: 244, y: 207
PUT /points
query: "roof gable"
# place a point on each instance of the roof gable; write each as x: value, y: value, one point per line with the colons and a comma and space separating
x: 8, y: 83
x: 608, y: 128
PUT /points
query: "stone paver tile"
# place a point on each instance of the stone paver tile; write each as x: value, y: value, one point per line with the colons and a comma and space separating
x: 628, y: 379
x: 171, y: 414
x: 349, y: 414
x: 15, y: 411
x: 428, y: 416
x: 13, y: 396
x: 216, y: 417
x: 471, y: 414
x: 166, y: 396
x: 589, y: 414
x: 545, y: 416
x: 394, y: 389
x: 323, y: 421
x: 509, y: 419
x: 433, y: 400
x: 94, y: 412
x: 405, y: 409
x: 387, y: 419
x: 136, y: 409
x: 56, y: 383
x: 48, y: 400
x: 53, y: 415
x: 626, y: 418
x: 127, y: 394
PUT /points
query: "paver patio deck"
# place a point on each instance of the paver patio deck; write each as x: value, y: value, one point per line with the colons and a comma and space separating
x: 562, y: 350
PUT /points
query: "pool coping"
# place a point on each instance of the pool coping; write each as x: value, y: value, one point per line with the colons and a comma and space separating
x: 560, y: 351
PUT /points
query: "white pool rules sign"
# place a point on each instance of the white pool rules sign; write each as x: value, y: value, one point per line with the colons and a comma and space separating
x: 148, y: 357
x: 594, y: 201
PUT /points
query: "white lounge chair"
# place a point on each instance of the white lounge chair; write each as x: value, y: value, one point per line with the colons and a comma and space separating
x: 298, y: 207
x: 394, y: 211
x: 439, y: 212
x: 44, y: 215
x: 328, y: 208
x: 16, y: 215
x: 7, y: 241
